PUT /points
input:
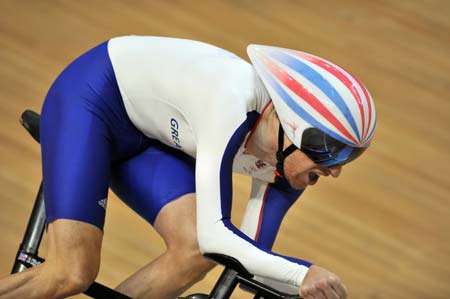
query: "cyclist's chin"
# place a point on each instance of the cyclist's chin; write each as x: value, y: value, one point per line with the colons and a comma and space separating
x: 298, y: 168
x: 302, y: 180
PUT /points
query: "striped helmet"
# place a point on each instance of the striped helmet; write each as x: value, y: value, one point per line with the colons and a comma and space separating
x: 310, y: 92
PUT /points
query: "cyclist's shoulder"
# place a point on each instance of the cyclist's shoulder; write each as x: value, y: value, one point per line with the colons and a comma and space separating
x: 161, y: 42
x: 186, y: 64
x: 176, y: 48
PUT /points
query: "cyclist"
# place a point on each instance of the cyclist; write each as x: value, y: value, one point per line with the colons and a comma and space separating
x: 164, y: 122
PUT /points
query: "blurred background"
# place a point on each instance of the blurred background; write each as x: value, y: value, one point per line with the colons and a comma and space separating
x: 383, y: 226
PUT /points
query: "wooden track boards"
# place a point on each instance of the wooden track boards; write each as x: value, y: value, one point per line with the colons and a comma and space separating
x: 384, y: 226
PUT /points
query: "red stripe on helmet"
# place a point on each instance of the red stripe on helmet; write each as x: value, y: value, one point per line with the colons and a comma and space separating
x: 304, y: 94
x: 329, y: 67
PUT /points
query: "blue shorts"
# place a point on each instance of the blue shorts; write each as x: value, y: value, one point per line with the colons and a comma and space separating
x: 88, y: 144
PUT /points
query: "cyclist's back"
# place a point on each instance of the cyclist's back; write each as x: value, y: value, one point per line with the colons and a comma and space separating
x: 191, y: 82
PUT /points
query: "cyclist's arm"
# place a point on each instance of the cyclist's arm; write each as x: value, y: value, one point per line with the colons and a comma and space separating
x: 267, y: 206
x: 216, y: 233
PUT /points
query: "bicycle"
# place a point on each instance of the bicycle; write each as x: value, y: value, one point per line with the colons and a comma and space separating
x: 233, y: 275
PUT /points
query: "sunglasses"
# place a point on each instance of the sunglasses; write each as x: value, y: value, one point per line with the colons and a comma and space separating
x: 326, y: 151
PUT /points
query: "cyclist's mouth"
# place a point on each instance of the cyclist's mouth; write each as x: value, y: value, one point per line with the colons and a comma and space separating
x: 313, y: 178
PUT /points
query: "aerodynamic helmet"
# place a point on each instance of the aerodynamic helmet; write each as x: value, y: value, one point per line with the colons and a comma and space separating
x: 324, y: 110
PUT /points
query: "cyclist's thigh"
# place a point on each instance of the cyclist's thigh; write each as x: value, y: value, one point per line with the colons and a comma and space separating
x: 75, y: 162
x: 82, y: 120
x: 152, y: 179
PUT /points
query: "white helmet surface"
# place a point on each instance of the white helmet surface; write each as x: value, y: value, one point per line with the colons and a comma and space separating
x: 310, y: 92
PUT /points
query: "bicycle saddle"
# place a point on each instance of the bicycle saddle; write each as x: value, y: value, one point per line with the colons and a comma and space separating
x: 30, y: 120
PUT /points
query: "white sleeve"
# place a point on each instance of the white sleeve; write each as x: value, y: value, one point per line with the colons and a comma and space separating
x: 216, y: 234
x: 254, y: 210
x: 265, y: 210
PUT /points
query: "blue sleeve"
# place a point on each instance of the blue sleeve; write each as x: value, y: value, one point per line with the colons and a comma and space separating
x: 276, y: 203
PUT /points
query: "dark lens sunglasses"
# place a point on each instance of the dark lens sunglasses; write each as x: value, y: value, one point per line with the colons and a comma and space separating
x: 326, y: 151
x: 322, y: 149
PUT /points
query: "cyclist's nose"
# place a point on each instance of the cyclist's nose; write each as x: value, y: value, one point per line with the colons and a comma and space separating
x: 335, y: 171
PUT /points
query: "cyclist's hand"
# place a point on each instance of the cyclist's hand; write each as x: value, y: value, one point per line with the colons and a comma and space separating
x: 320, y: 283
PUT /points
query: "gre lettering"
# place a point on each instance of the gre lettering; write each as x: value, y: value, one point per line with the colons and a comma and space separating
x: 174, y: 131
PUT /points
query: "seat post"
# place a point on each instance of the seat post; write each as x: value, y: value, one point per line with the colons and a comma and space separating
x: 27, y: 255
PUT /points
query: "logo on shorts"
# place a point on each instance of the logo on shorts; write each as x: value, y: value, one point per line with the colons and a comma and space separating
x: 102, y: 203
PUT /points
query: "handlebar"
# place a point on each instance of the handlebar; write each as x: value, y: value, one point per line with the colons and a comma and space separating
x: 234, y: 274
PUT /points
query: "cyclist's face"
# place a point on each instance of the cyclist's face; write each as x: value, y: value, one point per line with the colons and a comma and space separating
x: 301, y: 171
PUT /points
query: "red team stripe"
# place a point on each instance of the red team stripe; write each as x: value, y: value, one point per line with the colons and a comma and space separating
x: 261, y: 213
x: 256, y: 124
x: 344, y: 79
x: 304, y: 94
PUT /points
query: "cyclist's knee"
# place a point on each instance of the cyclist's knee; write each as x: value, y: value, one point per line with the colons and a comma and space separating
x: 73, y: 258
x: 201, y: 262
x: 73, y: 277
x: 199, y: 266
x: 73, y: 283
x: 81, y: 279
x: 203, y: 266
x: 66, y: 280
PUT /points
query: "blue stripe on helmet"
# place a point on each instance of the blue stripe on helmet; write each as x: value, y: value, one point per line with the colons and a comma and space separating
x: 341, y: 157
x: 317, y: 79
x: 297, y: 108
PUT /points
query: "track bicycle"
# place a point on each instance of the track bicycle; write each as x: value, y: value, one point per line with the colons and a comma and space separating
x: 234, y: 273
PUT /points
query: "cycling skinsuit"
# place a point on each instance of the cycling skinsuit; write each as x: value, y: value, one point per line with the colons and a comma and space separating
x: 156, y: 118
